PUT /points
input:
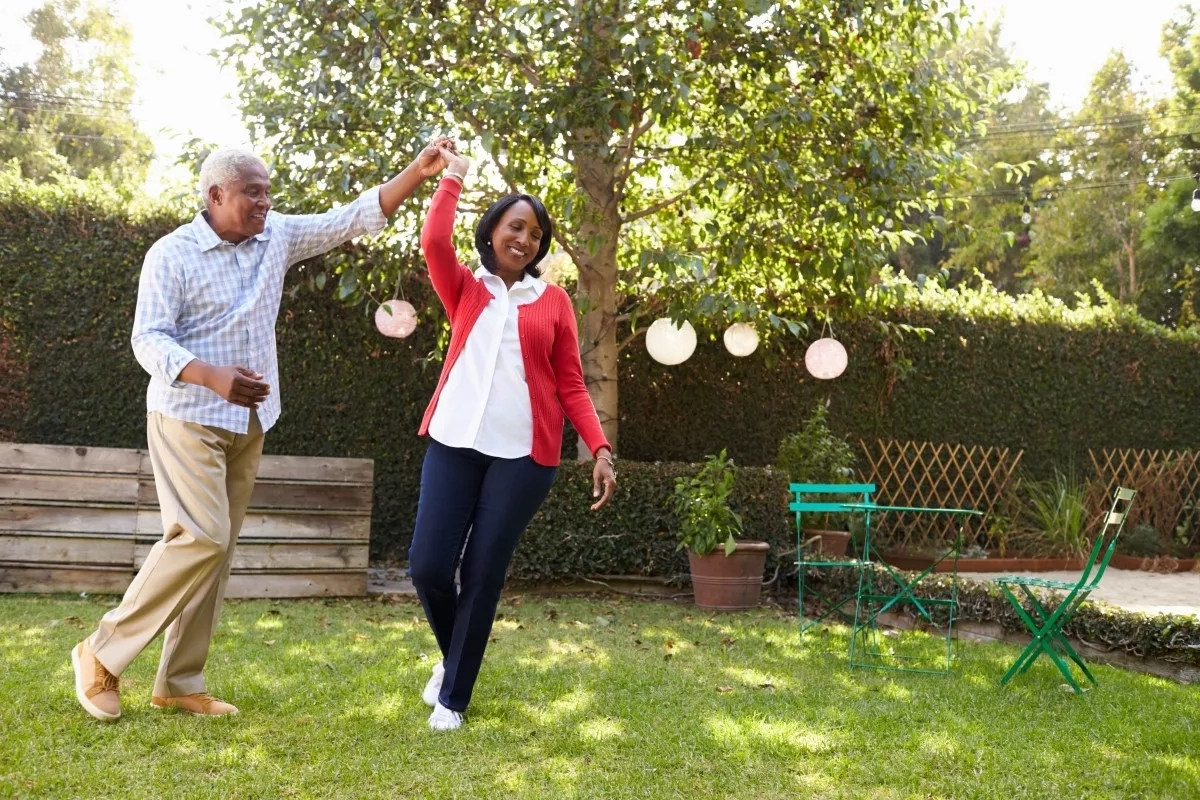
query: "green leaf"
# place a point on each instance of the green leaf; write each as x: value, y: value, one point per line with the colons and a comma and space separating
x: 347, y: 285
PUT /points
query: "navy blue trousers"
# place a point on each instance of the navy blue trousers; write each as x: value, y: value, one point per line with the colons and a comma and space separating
x: 472, y: 511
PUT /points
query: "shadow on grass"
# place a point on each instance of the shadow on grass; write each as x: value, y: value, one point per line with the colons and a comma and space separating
x: 581, y: 698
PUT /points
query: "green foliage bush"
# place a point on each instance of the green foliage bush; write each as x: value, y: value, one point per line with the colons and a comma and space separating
x: 1143, y: 541
x: 1058, y: 513
x: 1042, y: 378
x: 638, y: 533
x: 701, y: 504
x: 814, y: 454
x: 1166, y: 637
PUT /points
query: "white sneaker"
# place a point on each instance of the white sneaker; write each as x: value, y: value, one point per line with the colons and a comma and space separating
x: 434, y: 687
x: 443, y: 719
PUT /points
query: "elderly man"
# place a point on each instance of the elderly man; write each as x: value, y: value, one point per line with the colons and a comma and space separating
x: 204, y: 329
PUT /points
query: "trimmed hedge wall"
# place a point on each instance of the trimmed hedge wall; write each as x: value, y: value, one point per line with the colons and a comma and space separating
x: 68, y: 282
x: 1051, y: 391
x: 637, y: 534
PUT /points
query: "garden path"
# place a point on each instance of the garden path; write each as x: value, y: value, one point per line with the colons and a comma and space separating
x: 1132, y: 589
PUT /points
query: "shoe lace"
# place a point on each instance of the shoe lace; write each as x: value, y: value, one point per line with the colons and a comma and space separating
x: 108, y: 681
x: 205, y: 699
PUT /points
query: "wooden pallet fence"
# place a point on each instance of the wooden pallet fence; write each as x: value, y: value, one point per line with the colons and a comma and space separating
x: 82, y: 519
x: 935, y: 475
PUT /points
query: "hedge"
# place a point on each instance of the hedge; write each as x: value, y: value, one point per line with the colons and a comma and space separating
x: 637, y: 535
x: 68, y: 281
x: 1164, y: 637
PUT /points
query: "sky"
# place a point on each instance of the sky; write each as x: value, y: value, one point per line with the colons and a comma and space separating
x: 184, y: 92
x: 1064, y: 42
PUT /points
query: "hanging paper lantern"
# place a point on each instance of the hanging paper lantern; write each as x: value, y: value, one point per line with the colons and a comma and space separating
x: 668, y: 344
x: 396, y: 318
x: 826, y: 359
x: 740, y: 339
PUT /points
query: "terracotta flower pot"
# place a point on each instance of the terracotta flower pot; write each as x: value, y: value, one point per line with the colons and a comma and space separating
x: 729, y: 583
x: 831, y: 544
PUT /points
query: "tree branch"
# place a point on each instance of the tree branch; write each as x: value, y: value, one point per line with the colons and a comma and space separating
x: 627, y: 167
x: 630, y: 338
x: 660, y: 205
x: 566, y: 245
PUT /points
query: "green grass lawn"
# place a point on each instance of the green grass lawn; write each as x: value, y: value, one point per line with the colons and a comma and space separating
x: 579, y: 698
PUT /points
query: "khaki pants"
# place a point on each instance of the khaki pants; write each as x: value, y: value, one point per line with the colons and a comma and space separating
x: 204, y: 477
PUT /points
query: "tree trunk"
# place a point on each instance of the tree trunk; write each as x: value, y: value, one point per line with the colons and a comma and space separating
x: 596, y: 258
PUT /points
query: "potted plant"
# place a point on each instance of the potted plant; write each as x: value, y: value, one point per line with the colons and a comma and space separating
x: 814, y: 454
x: 727, y: 574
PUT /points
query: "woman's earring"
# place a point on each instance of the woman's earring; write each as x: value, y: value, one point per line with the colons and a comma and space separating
x: 489, y: 242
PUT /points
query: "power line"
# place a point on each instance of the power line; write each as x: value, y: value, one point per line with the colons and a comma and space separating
x: 1062, y: 146
x: 54, y: 135
x: 51, y: 99
x: 1063, y: 188
x: 107, y: 115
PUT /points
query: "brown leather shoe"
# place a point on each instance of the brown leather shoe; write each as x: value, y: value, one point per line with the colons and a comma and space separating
x: 96, y: 689
x: 201, y: 703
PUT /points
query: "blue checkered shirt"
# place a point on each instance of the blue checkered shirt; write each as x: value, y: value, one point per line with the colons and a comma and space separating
x: 201, y: 297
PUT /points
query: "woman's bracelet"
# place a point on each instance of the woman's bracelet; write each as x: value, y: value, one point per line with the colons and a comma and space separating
x: 454, y: 175
x: 608, y: 459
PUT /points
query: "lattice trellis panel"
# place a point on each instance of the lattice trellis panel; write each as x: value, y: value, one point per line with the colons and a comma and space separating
x: 1167, y: 484
x: 935, y: 475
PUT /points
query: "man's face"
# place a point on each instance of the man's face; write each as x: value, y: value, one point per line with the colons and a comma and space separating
x: 239, y: 209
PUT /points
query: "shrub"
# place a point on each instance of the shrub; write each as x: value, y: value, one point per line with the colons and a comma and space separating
x: 637, y: 534
x: 1142, y: 542
x: 701, y: 504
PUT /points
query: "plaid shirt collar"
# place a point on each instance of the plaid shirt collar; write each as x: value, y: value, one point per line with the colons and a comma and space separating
x: 208, y: 239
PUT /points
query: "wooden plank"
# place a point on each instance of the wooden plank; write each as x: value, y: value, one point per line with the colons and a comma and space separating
x: 289, y: 557
x: 314, y: 469
x: 277, y: 524
x: 72, y: 488
x: 316, y: 497
x: 67, y: 458
x: 317, y: 584
x: 49, y: 548
x: 320, y: 469
x: 67, y: 519
x: 43, y: 578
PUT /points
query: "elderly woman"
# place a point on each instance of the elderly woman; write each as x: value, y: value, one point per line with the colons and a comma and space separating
x: 495, y: 422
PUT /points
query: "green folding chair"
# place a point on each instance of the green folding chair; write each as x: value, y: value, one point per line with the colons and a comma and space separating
x: 806, y: 556
x: 1045, y: 622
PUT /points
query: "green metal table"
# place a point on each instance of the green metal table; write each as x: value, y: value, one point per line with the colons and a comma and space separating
x: 871, y: 647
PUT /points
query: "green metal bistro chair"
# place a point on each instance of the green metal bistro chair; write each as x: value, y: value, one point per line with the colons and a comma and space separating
x: 807, y: 557
x: 1045, y: 622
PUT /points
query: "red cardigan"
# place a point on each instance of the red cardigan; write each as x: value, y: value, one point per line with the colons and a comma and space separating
x: 549, y: 338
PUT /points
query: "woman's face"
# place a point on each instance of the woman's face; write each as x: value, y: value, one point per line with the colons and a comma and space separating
x: 516, y: 239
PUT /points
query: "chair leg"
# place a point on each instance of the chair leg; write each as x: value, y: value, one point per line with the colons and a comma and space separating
x: 1027, y: 657
x: 1070, y: 653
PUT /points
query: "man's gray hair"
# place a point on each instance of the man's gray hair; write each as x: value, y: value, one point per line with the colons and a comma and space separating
x: 225, y: 165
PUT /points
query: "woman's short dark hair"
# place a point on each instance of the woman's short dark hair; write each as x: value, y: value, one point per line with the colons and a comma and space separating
x: 491, y: 217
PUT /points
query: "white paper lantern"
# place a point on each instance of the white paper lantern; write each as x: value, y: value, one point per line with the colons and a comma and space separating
x: 396, y: 318
x: 741, y: 339
x: 668, y: 344
x: 826, y: 359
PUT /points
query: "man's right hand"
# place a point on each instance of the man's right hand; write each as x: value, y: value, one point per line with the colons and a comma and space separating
x: 238, y: 385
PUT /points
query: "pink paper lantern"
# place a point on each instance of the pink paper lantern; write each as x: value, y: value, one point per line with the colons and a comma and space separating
x: 826, y: 359
x: 396, y: 318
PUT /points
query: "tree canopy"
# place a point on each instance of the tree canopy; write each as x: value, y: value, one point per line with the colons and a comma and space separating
x: 735, y: 159
x: 68, y: 113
